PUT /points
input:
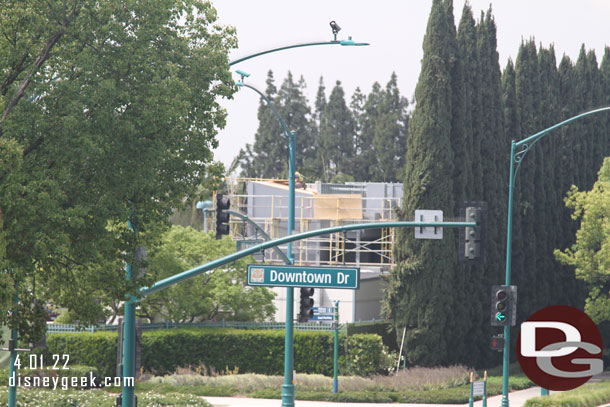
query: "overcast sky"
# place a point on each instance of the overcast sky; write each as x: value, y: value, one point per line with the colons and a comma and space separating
x: 395, y: 29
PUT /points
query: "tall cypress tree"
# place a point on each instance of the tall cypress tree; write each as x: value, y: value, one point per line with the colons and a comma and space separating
x: 267, y: 157
x: 582, y: 99
x: 527, y: 87
x: 419, y: 291
x: 336, y: 136
x: 357, y: 107
x: 547, y: 210
x: 390, y: 135
x: 292, y: 105
x: 467, y: 46
x: 604, y: 69
x: 596, y: 126
x: 367, y: 158
x: 493, y: 161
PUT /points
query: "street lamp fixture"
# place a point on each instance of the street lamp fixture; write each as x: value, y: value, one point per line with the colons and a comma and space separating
x: 335, y: 29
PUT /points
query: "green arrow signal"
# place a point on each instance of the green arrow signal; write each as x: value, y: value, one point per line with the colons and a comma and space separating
x: 500, y: 316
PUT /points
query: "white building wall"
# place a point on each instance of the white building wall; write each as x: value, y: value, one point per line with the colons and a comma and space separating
x: 363, y: 304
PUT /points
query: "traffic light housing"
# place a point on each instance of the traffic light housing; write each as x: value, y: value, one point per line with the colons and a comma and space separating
x: 497, y: 342
x: 503, y: 305
x: 222, y: 217
x: 472, y: 239
x: 306, y: 305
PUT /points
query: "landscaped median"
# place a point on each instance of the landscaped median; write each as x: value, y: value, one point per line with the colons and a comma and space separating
x: 185, y: 387
x: 589, y: 395
x: 443, y: 385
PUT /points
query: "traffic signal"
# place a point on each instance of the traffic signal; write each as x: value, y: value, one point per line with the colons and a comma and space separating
x: 503, y: 305
x: 306, y: 309
x: 497, y: 342
x: 472, y: 238
x: 222, y: 217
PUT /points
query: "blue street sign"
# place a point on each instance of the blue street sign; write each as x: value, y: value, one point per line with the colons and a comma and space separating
x: 301, y: 276
x: 322, y: 317
x: 323, y: 310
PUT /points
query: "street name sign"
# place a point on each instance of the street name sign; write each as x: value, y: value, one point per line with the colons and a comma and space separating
x: 323, y: 314
x: 323, y: 310
x: 302, y: 276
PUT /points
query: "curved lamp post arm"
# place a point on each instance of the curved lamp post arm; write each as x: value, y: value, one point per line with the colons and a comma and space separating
x: 270, y: 104
x: 348, y: 42
x: 516, y: 157
x: 526, y: 144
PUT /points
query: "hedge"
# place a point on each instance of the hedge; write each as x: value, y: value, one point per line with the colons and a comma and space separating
x: 222, y: 350
x: 383, y: 328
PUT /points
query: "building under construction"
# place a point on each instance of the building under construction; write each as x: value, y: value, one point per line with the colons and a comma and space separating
x: 317, y: 206
x: 321, y: 205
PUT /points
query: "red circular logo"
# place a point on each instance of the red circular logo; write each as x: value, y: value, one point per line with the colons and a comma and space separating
x: 560, y: 348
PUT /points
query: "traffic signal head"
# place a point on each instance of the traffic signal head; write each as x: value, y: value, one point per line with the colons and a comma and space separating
x: 472, y: 238
x: 222, y: 217
x: 503, y: 305
x: 306, y: 305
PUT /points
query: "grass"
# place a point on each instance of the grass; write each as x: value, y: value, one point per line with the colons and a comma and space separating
x: 589, y: 395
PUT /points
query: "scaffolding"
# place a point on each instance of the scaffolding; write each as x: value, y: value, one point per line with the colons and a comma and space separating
x: 319, y: 205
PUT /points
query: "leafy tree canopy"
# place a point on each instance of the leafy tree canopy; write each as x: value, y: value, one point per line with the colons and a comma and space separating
x: 108, y: 111
x: 220, y: 294
x: 590, y: 254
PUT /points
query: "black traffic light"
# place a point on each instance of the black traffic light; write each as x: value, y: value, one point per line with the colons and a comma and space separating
x: 306, y: 307
x: 472, y: 239
x: 503, y: 305
x: 222, y: 217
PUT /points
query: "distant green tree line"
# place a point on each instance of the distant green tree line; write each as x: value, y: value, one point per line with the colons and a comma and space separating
x: 364, y: 140
x: 467, y: 111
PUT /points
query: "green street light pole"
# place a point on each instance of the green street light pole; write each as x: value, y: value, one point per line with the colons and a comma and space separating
x: 129, y: 329
x: 288, y: 386
x: 129, y: 343
x: 518, y: 151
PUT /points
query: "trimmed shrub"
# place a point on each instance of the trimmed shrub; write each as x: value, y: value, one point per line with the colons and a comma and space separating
x: 212, y: 351
x: 89, y: 349
x: 384, y: 328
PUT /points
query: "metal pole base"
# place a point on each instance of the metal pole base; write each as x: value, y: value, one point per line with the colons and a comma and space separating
x: 335, y: 385
x: 504, y: 401
x: 287, y: 395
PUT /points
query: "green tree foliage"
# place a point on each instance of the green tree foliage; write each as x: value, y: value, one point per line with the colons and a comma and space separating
x: 268, y: 156
x: 386, y: 122
x: 424, y: 267
x: 109, y: 110
x: 292, y: 105
x: 336, y: 141
x: 220, y: 294
x: 590, y: 254
x: 365, y: 141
